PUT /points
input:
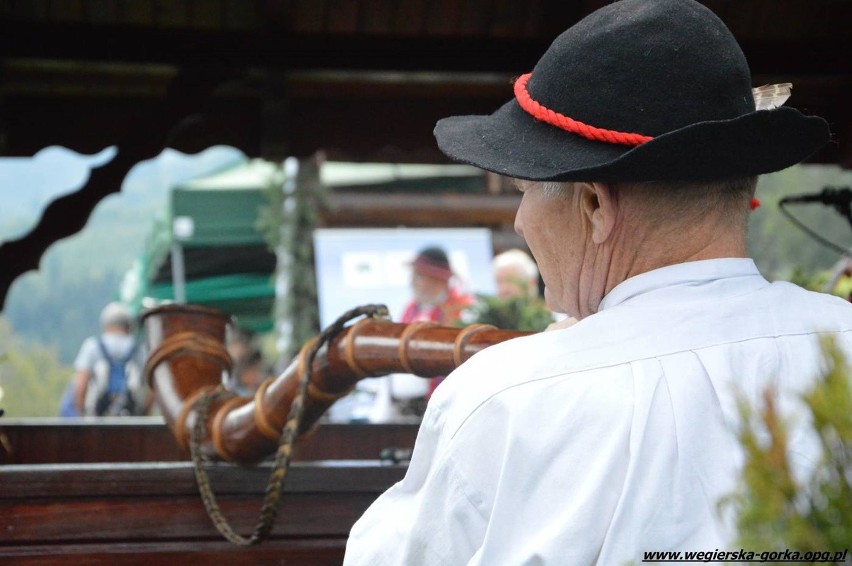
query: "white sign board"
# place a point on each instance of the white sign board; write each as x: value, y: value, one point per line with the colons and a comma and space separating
x: 362, y: 266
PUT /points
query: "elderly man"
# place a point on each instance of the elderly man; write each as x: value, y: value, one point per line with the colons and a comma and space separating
x: 636, y: 143
x: 516, y: 274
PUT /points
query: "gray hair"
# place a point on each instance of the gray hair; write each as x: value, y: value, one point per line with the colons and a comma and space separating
x: 691, y: 201
x: 554, y: 189
x: 666, y: 200
x: 550, y: 189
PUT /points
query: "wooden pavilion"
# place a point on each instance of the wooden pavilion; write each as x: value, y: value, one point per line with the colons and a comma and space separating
x: 361, y: 80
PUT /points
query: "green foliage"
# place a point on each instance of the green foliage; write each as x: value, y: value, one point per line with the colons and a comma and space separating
x: 58, y: 306
x: 812, y: 281
x: 779, y: 247
x: 270, y: 216
x: 819, y: 280
x: 59, y: 311
x: 517, y: 313
x: 844, y: 288
x: 31, y: 378
x: 773, y: 511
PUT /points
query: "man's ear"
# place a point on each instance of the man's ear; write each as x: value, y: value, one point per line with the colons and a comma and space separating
x: 598, y: 202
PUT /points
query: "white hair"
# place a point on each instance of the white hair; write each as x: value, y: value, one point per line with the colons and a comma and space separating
x: 116, y: 314
x: 553, y: 189
x: 519, y: 259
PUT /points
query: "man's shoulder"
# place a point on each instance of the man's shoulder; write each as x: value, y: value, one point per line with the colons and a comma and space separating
x: 526, y: 367
x: 605, y: 346
x: 805, y: 300
x: 783, y: 308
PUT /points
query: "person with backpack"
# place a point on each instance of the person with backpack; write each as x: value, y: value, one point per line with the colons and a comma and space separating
x: 108, y: 379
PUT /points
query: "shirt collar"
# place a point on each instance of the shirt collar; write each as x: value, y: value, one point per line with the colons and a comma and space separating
x: 693, y: 272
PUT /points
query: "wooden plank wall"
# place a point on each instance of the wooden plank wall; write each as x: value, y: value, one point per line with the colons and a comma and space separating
x: 151, y: 513
x: 61, y: 441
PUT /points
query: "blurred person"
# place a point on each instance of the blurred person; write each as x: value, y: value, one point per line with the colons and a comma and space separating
x: 68, y: 401
x: 403, y: 397
x: 238, y: 342
x: 517, y: 305
x: 108, y: 379
x: 516, y: 274
x: 434, y: 299
x: 248, y: 372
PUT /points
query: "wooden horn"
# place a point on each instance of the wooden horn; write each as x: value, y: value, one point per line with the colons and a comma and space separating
x: 188, y: 357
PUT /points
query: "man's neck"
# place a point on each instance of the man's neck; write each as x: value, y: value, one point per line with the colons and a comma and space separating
x: 644, y: 254
x: 643, y: 262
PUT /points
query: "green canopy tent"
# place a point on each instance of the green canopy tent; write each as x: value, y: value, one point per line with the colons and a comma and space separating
x: 213, y: 225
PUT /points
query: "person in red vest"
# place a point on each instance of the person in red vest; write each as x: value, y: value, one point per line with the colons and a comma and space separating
x: 435, y: 300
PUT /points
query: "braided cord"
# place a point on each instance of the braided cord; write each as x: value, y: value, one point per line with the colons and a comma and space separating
x: 539, y: 112
x: 283, y: 456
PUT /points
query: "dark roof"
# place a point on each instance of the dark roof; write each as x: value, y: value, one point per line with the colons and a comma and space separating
x: 282, y: 73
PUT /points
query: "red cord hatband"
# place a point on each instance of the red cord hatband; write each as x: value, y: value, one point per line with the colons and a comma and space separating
x: 563, y: 122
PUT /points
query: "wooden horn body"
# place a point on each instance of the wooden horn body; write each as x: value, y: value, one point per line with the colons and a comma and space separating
x: 188, y: 357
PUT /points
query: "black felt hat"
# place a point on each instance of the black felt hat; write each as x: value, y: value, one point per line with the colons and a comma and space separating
x: 640, y: 90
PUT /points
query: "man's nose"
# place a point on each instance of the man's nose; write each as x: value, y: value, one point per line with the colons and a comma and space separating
x: 519, y: 225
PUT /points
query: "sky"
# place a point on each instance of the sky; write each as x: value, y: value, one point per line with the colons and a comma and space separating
x: 29, y: 184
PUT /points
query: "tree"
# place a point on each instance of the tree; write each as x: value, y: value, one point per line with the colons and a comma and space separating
x: 773, y: 510
x: 31, y: 377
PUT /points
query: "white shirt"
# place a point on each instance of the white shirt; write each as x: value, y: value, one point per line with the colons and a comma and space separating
x: 118, y: 346
x: 595, y: 443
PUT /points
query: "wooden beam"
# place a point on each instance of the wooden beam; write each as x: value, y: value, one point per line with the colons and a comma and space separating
x: 147, y: 439
x: 445, y: 210
x: 268, y: 48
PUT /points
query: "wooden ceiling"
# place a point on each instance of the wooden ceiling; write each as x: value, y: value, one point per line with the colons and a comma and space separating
x: 362, y: 80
